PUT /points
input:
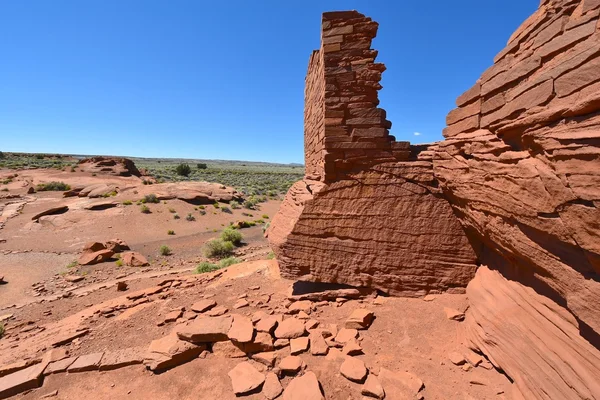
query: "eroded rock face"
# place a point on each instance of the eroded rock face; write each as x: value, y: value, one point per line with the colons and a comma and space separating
x: 369, y: 211
x: 109, y: 166
x: 521, y: 167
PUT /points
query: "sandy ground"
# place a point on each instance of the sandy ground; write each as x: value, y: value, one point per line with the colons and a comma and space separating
x: 408, y: 334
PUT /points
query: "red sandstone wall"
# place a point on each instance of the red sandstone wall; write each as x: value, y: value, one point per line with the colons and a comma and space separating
x: 521, y: 168
x: 314, y: 118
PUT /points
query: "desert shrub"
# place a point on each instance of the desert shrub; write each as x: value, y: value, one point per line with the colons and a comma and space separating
x: 201, y: 207
x: 201, y: 166
x: 2, y: 329
x: 171, y: 232
x: 216, y: 205
x: 259, y: 221
x: 72, y: 264
x: 250, y: 204
x: 235, y: 205
x: 5, y: 190
x: 265, y: 216
x: 217, y: 248
x: 144, y: 209
x: 190, y: 217
x: 53, y: 186
x: 204, y: 267
x: 270, y: 256
x: 266, y: 226
x: 226, y: 209
x: 127, y: 203
x: 183, y: 170
x: 245, y: 224
x: 150, y: 198
x: 202, y: 212
x: 176, y: 216
x: 231, y: 235
x: 119, y: 263
x: 172, y: 210
x: 226, y: 262
x: 164, y: 250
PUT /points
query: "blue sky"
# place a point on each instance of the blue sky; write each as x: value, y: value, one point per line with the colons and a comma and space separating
x: 222, y: 79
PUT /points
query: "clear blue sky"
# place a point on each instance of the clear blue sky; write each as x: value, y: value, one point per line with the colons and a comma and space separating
x: 222, y: 79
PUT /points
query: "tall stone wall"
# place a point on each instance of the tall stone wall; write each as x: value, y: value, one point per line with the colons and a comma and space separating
x: 369, y: 211
x: 521, y: 167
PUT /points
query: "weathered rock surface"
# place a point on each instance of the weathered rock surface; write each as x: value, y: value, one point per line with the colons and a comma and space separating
x: 205, y: 330
x: 51, y: 211
x: 169, y: 352
x: 305, y: 387
x: 134, y: 259
x: 535, y: 341
x: 367, y: 213
x: 109, y: 166
x: 192, y: 192
x: 245, y: 378
x: 521, y: 167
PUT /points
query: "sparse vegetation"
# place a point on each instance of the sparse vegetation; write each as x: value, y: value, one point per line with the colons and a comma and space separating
x: 2, y: 330
x: 226, y: 209
x: 164, y: 250
x: 144, y: 209
x: 150, y: 198
x: 201, y: 166
x: 217, y: 248
x: 265, y: 216
x: 171, y: 232
x: 205, y: 266
x: 245, y: 224
x: 119, y: 263
x: 202, y: 212
x: 127, y: 203
x: 172, y: 210
x: 226, y: 262
x: 235, y: 205
x: 231, y: 235
x: 176, y: 216
x: 72, y: 264
x: 53, y: 186
x: 271, y: 256
x: 190, y: 217
x: 216, y: 205
x: 183, y: 170
x: 266, y: 226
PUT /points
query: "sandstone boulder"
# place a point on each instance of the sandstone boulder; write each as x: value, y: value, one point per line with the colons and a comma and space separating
x: 290, y: 328
x: 134, y: 259
x: 353, y: 369
x: 205, y: 330
x: 245, y: 378
x: 360, y: 319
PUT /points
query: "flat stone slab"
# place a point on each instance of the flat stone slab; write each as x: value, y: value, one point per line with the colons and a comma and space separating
x: 122, y: 358
x: 169, y: 352
x: 360, y: 319
x: 305, y: 387
x: 20, y: 381
x: 205, y: 330
x: 245, y: 378
x: 203, y: 305
x: 290, y: 328
x: 353, y: 369
x: 89, y: 362
x: 59, y: 366
x: 242, y: 330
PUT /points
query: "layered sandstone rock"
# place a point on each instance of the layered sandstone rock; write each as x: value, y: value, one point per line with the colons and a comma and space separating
x: 521, y: 167
x: 117, y: 166
x: 369, y: 211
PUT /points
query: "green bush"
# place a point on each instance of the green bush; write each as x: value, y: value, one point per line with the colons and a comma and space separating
x: 226, y: 262
x: 127, y: 203
x: 202, y: 212
x: 231, y: 235
x: 201, y: 207
x: 53, y: 186
x: 266, y: 226
x: 217, y: 248
x: 190, y: 217
x: 119, y: 263
x: 270, y: 256
x: 171, y: 232
x: 226, y: 209
x: 245, y: 224
x: 144, y: 209
x: 164, y: 250
x: 150, y: 198
x: 250, y: 204
x: 172, y: 210
x: 201, y: 166
x: 204, y: 267
x: 216, y: 205
x: 72, y: 264
x: 235, y: 205
x: 183, y: 170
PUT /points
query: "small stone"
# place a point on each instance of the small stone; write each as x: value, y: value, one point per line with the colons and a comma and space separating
x: 311, y: 324
x: 267, y: 358
x: 217, y: 311
x: 241, y: 304
x: 290, y: 364
x: 318, y: 346
x: 173, y: 316
x: 473, y: 358
x: 373, y: 388
x: 456, y: 358
x: 228, y: 349
x: 303, y: 305
x: 245, y: 378
x: 205, y: 330
x: 289, y: 329
x: 262, y: 342
x: 203, y: 305
x: 242, y: 330
x: 299, y: 345
x: 429, y: 297
x: 73, y: 278
x: 280, y: 343
x: 454, y: 314
x: 302, y: 315
x: 345, y: 334
x: 352, y: 348
x: 54, y: 393
x: 466, y: 367
x: 59, y: 366
x: 121, y: 286
x: 359, y: 319
x: 272, y: 387
x: 305, y: 387
x: 268, y: 323
x: 353, y: 369
x: 134, y: 259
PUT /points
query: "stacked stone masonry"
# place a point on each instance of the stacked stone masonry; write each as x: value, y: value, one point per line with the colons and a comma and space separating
x: 369, y: 211
x: 521, y: 167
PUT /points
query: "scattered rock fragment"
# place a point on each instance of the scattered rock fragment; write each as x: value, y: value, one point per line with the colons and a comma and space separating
x: 302, y: 305
x: 172, y: 316
x: 228, y: 349
x: 272, y: 387
x: 352, y: 348
x: 280, y: 343
x: 59, y: 366
x: 205, y: 330
x: 203, y: 305
x: 373, y: 388
x: 170, y: 351
x: 454, y: 314
x: 299, y: 345
x: 345, y: 335
x: 305, y: 387
x: 20, y: 381
x: 73, y: 278
x: 121, y: 286
x: 399, y: 384
x: 217, y: 311
x: 289, y: 329
x: 262, y: 342
x: 95, y: 257
x: 318, y: 346
x: 456, y: 358
x: 51, y: 211
x: 267, y: 358
x: 245, y: 378
x: 268, y: 323
x: 121, y: 358
x: 116, y: 245
x: 53, y: 393
x: 241, y: 303
x: 359, y: 319
x: 290, y: 364
x: 134, y: 259
x: 473, y: 358
x: 242, y: 330
x: 353, y: 369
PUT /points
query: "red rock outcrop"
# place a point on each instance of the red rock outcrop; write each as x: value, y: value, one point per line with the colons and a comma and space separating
x: 521, y: 167
x: 109, y: 166
x: 369, y: 211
